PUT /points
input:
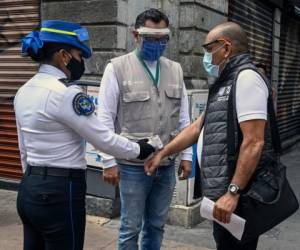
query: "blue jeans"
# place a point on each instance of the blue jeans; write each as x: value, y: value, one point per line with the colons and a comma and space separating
x: 145, y: 202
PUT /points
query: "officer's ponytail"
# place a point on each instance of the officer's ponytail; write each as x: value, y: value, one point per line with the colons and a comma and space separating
x: 36, y: 56
x: 32, y: 46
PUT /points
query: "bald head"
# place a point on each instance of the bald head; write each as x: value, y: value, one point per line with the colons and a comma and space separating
x: 233, y: 33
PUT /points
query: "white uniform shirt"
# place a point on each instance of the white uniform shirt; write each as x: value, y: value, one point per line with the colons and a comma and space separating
x: 108, y: 108
x: 251, y: 101
x: 52, y: 134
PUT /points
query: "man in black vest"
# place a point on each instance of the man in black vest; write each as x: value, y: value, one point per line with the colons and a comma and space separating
x: 227, y: 60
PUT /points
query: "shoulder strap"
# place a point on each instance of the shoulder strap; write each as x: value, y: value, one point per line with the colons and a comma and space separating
x: 233, y: 143
x: 273, y: 125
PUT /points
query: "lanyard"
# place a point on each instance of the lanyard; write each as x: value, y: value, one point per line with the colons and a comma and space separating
x: 157, y: 75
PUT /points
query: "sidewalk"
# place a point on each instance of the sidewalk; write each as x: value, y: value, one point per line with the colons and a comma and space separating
x: 102, y: 233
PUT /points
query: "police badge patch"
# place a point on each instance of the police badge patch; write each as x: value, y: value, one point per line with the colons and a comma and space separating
x: 83, y: 105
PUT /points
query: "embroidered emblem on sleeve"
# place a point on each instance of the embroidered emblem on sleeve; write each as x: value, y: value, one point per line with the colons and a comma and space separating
x: 83, y: 105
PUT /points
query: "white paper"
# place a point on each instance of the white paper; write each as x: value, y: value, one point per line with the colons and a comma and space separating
x: 235, y: 227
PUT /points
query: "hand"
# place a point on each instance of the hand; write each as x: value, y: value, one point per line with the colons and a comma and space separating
x: 225, y: 206
x: 184, y: 170
x: 145, y: 149
x: 151, y: 165
x: 112, y: 175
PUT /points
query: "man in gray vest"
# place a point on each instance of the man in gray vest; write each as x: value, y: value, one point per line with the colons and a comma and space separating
x: 227, y: 59
x: 143, y: 95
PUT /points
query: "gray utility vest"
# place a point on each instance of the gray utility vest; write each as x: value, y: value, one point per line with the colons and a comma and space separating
x: 146, y: 110
x: 216, y: 172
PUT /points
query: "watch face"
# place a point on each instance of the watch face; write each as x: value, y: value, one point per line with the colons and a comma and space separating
x: 233, y: 189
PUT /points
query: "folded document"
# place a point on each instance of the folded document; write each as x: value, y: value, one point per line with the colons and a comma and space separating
x: 235, y: 227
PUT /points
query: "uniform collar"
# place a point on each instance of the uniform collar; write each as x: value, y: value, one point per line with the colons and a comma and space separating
x: 51, y: 70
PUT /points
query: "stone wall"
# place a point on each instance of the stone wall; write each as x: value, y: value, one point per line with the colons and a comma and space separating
x: 105, y: 21
x: 197, y: 17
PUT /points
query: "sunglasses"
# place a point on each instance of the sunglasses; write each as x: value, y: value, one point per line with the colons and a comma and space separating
x: 208, y: 46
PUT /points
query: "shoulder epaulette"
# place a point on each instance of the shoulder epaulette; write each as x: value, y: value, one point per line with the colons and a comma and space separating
x: 67, y: 82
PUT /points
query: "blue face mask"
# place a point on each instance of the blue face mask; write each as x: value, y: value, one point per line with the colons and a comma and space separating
x: 211, y: 69
x: 152, y: 50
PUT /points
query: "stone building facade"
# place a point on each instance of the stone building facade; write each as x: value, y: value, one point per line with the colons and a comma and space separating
x: 272, y: 26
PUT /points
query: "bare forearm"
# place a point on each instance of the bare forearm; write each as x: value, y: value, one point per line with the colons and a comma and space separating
x: 249, y: 157
x: 183, y: 140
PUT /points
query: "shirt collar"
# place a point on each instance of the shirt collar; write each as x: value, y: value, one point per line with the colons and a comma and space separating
x: 51, y: 70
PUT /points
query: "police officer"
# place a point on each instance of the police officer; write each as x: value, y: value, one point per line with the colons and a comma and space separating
x: 53, y: 119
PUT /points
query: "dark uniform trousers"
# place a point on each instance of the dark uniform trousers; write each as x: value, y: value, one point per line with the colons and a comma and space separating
x: 52, y: 209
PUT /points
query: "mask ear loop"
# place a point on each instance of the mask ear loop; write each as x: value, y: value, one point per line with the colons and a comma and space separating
x: 70, y: 57
x: 222, y: 46
x: 226, y: 60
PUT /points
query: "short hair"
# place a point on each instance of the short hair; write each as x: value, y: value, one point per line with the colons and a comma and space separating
x: 154, y: 15
x: 235, y: 33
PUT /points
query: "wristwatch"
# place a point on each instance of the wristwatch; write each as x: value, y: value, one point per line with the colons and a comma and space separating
x: 234, y: 189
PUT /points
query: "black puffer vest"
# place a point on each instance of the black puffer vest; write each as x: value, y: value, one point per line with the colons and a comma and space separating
x: 216, y: 173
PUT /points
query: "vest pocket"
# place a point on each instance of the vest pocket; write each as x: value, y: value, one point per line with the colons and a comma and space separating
x: 136, y: 105
x: 172, y: 92
x: 140, y: 96
x: 173, y: 100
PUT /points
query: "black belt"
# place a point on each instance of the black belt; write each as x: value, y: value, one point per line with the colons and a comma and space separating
x: 52, y: 171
